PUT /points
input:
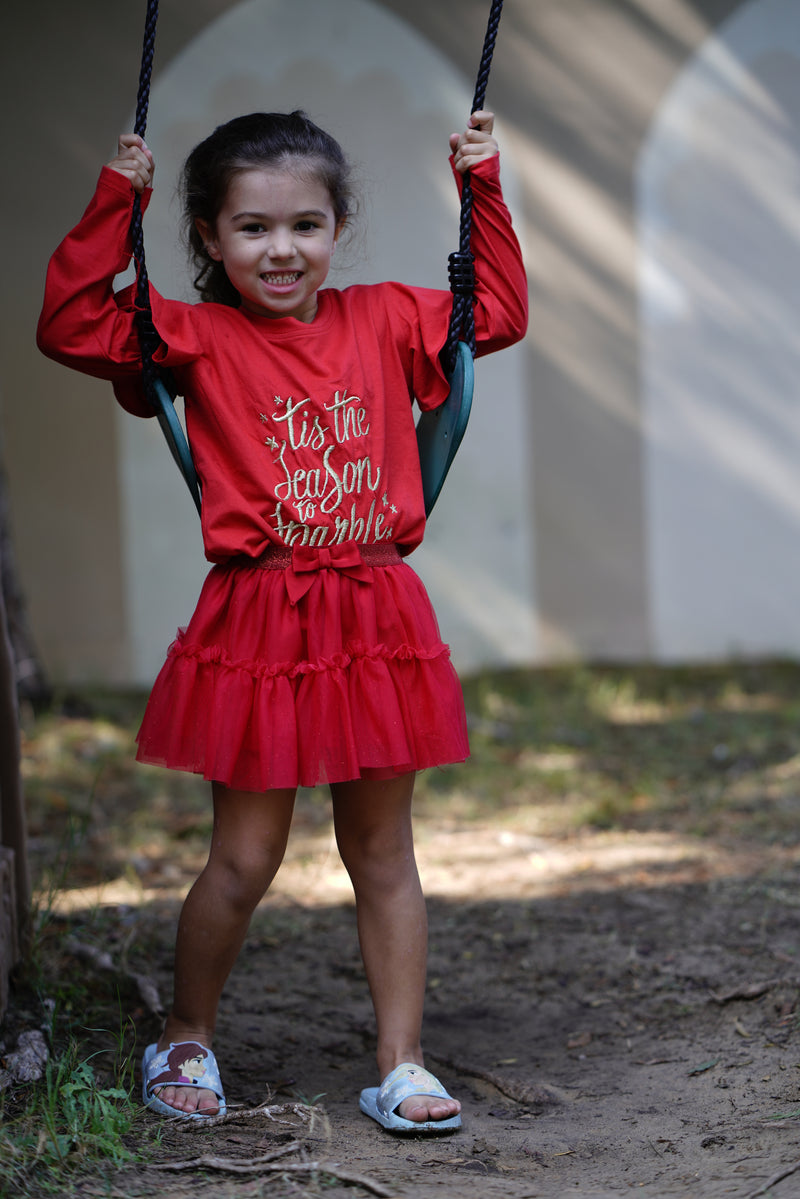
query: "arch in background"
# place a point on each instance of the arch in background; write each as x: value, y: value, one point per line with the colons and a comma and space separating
x: 718, y: 181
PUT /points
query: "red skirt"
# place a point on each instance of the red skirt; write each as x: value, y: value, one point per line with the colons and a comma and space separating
x: 351, y: 681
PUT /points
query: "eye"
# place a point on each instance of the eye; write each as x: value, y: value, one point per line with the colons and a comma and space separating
x: 307, y: 226
x: 253, y: 227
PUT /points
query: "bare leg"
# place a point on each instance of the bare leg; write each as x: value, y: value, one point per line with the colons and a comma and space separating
x: 247, y: 847
x: 374, y: 835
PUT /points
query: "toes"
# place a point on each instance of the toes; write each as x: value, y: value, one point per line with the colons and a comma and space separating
x: 207, y: 1103
x: 204, y: 1102
x: 443, y: 1110
x: 167, y: 1095
x: 188, y: 1100
x: 420, y: 1108
x: 412, y: 1109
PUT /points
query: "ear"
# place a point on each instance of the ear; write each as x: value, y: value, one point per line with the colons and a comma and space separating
x: 209, y: 240
x: 339, y: 230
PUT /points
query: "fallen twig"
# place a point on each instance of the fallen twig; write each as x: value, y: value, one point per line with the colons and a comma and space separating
x: 272, y: 1111
x: 520, y: 1092
x: 750, y: 991
x: 776, y: 1178
x: 102, y: 961
x: 267, y: 1165
x: 211, y: 1162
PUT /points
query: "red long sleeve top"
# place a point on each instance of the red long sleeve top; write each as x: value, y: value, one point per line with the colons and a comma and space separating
x: 299, y: 432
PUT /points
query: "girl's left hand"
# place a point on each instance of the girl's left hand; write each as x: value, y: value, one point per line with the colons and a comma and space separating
x: 475, y: 143
x: 134, y: 161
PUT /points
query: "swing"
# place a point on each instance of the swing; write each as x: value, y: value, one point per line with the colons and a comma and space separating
x: 439, y: 431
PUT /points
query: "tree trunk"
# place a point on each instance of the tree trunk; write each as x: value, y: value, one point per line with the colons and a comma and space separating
x: 14, y: 881
x: 25, y: 671
x: 29, y: 677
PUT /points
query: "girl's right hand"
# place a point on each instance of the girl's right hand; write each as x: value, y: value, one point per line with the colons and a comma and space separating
x: 134, y: 161
x: 475, y: 143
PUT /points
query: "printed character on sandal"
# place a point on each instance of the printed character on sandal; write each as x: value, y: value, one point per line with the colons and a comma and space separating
x: 187, y: 1064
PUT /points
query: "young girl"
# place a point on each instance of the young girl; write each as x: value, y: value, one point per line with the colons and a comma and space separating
x: 314, y: 655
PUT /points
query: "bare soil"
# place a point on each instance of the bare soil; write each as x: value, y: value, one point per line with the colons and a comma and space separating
x: 614, y: 960
x: 616, y: 1012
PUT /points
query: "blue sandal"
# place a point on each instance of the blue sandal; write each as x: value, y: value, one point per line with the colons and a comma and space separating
x: 184, y: 1064
x: 381, y: 1103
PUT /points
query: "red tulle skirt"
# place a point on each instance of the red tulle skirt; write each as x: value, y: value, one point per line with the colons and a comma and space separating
x: 353, y: 681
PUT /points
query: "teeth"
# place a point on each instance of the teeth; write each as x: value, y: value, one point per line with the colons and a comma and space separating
x: 288, y: 278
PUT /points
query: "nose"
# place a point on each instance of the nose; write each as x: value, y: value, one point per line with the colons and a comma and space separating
x: 281, y: 244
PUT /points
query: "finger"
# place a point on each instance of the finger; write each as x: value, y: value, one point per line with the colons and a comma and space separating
x: 482, y: 119
x: 130, y: 145
x: 128, y: 141
x: 477, y: 137
x: 135, y: 166
x: 470, y: 156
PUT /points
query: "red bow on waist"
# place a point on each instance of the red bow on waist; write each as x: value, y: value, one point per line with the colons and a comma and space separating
x: 308, y: 560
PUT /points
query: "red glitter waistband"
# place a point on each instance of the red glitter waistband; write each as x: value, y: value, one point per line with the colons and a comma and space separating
x: 280, y: 557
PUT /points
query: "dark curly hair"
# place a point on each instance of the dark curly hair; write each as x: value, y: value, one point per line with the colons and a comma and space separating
x: 261, y: 139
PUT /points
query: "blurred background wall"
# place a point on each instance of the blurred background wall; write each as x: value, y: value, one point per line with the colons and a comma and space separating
x: 629, y: 487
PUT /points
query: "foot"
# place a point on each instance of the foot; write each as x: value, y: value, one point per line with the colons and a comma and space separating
x: 410, y: 1095
x: 420, y: 1108
x: 173, y: 1071
x: 188, y: 1100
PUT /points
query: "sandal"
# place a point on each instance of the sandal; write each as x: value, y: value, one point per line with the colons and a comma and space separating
x: 381, y: 1103
x: 184, y: 1064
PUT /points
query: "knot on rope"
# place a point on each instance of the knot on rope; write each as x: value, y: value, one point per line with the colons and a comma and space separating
x: 148, y: 335
x: 149, y: 342
x: 462, y: 323
x: 461, y: 273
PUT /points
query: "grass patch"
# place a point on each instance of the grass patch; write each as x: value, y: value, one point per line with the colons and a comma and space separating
x: 707, y: 751
x: 74, y: 1118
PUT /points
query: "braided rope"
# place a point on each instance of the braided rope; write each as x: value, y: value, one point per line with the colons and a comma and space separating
x: 148, y: 337
x: 462, y: 276
x: 158, y: 384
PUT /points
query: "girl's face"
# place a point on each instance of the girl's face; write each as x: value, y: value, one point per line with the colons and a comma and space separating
x: 193, y: 1067
x: 275, y: 236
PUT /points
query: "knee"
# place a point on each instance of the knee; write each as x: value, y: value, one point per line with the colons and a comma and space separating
x: 378, y: 858
x: 243, y: 877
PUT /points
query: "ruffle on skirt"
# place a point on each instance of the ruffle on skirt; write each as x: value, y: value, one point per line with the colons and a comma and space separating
x: 352, y: 682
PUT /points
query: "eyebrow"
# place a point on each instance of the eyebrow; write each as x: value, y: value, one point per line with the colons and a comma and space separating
x: 298, y: 216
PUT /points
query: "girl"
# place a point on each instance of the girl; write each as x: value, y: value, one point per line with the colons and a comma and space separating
x: 314, y: 654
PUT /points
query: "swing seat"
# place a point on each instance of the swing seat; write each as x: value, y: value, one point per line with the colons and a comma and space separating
x: 176, y: 438
x: 440, y: 431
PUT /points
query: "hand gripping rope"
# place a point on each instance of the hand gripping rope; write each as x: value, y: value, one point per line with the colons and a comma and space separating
x: 158, y: 385
x: 439, y: 432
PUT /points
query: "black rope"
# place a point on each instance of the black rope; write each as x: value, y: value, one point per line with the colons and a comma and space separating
x: 148, y: 338
x: 461, y: 262
x: 159, y: 385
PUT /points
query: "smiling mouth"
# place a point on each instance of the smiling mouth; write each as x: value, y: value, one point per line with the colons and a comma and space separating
x: 282, y: 279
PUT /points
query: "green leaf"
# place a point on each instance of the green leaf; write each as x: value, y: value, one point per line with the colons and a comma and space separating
x: 705, y: 1066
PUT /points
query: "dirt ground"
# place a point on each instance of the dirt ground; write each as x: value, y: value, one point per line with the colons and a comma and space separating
x: 617, y: 1012
x: 614, y: 984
